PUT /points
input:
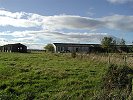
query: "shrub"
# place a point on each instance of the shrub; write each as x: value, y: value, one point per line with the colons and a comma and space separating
x: 73, y: 54
x: 117, y: 83
x: 49, y: 48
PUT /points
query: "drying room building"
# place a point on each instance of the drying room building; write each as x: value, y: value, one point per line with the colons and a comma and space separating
x: 18, y: 47
x: 73, y: 47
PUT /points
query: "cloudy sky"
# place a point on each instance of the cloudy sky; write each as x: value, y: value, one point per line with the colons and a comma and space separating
x: 38, y: 22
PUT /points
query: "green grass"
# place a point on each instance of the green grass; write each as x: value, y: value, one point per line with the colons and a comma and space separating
x: 43, y: 76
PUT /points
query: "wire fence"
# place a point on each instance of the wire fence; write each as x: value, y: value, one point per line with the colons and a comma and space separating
x: 109, y: 58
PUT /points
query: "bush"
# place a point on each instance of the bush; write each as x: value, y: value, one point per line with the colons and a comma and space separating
x: 49, y: 48
x: 73, y: 54
x: 116, y: 83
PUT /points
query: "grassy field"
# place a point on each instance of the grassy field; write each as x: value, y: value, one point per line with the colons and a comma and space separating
x: 45, y: 76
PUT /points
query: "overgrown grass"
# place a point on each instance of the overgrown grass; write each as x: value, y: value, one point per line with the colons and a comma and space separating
x: 43, y: 76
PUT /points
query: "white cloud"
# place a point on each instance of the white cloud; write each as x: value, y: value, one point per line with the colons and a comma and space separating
x: 18, y: 19
x: 120, y: 1
x: 37, y: 36
x: 51, y: 27
x: 40, y: 37
x: 114, y: 22
x: 119, y: 22
x: 3, y: 41
x: 20, y: 34
x: 7, y: 21
x: 16, y: 15
x: 54, y: 35
x: 60, y: 22
x: 71, y: 22
x: 36, y: 46
x: 90, y: 11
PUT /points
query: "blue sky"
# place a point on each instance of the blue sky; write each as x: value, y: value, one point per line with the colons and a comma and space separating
x: 38, y: 22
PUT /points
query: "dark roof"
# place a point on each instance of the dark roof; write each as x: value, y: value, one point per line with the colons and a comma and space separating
x: 76, y: 44
x: 14, y: 44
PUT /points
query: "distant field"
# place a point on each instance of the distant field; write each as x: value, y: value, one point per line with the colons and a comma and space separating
x: 43, y: 76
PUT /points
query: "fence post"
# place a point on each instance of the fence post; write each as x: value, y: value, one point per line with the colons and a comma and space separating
x: 125, y: 60
x: 131, y: 94
x: 132, y: 91
x: 109, y: 59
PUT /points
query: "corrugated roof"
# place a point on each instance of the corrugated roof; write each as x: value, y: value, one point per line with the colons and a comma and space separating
x: 76, y: 44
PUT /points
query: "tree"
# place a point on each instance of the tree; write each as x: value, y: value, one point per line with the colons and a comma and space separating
x: 114, y: 46
x: 122, y: 42
x: 123, y: 46
x: 49, y: 48
x: 108, y: 43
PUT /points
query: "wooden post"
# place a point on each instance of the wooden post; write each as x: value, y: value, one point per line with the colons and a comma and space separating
x: 132, y: 89
x: 125, y: 60
x: 131, y: 94
x: 109, y: 59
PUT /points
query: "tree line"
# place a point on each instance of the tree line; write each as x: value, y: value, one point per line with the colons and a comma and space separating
x: 110, y: 44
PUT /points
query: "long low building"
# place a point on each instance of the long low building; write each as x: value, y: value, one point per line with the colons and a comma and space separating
x: 73, y: 47
x: 18, y: 47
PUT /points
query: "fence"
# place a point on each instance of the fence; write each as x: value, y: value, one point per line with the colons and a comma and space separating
x: 110, y: 58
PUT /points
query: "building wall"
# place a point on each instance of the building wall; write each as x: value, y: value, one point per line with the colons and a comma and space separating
x: 19, y: 48
x: 73, y: 48
x: 14, y: 48
x: 69, y: 47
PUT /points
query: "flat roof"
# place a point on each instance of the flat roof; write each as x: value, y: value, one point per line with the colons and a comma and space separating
x: 75, y: 44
